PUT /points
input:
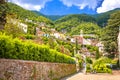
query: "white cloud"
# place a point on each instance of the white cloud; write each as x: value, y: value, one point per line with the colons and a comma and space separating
x: 92, y: 4
x: 31, y: 4
x: 108, y: 5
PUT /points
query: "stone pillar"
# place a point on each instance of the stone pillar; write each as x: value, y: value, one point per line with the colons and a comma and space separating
x: 119, y: 46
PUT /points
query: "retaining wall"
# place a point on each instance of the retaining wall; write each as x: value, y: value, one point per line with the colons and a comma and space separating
x: 33, y: 70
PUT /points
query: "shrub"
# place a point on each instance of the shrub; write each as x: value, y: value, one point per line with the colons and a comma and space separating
x: 93, y: 49
x: 88, y: 59
x: 101, y: 65
x: 114, y: 61
x: 29, y: 36
x: 88, y: 67
x: 17, y: 49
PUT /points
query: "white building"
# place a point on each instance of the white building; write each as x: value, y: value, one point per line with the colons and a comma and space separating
x: 100, y: 46
x: 23, y: 26
x: 86, y: 42
x: 72, y: 40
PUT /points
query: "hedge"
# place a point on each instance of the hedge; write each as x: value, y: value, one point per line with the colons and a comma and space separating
x: 25, y: 50
x: 100, y: 65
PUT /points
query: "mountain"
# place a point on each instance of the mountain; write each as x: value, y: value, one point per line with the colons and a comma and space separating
x: 38, y: 13
x: 70, y: 22
x: 62, y: 23
x: 86, y: 27
x: 54, y: 17
x: 51, y: 17
x: 23, y: 14
x: 20, y: 12
x: 103, y: 17
x: 78, y: 17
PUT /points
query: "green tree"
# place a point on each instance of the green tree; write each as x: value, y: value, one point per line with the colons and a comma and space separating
x: 87, y: 27
x: 111, y: 32
x: 69, y: 22
x: 3, y: 11
x: 12, y: 26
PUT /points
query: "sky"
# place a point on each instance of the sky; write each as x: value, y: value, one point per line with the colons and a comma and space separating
x: 63, y: 7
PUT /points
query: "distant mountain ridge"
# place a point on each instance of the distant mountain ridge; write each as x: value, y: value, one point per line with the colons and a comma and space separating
x: 73, y: 23
x: 79, y: 17
x: 51, y: 17
x: 73, y: 19
x: 54, y: 17
x: 38, y: 13
x: 24, y: 14
x: 102, y: 18
x: 69, y: 23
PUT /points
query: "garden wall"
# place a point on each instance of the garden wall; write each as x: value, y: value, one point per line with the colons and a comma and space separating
x: 33, y: 70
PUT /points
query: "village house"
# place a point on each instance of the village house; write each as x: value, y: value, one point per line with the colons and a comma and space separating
x: 27, y: 20
x: 83, y: 41
x: 87, y: 41
x: 23, y: 26
x: 57, y: 35
x: 80, y: 40
x: 72, y: 40
x: 39, y: 32
x: 42, y: 25
x: 40, y: 28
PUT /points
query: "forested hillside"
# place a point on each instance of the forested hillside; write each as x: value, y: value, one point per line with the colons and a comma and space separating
x: 78, y: 17
x: 74, y: 23
x: 61, y: 21
x: 103, y: 17
x: 54, y: 17
x: 110, y: 34
x: 26, y: 14
x: 87, y: 27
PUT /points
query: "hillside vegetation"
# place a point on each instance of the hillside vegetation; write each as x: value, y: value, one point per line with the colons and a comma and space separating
x: 54, y: 17
x: 72, y: 24
x: 102, y: 18
x: 87, y: 27
x: 69, y: 24
x: 78, y: 17
x: 91, y: 24
x: 26, y: 14
x: 16, y: 49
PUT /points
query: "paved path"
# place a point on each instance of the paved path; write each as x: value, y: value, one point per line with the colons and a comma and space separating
x: 88, y: 76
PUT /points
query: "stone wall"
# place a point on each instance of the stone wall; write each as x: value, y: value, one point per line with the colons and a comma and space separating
x: 33, y: 70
